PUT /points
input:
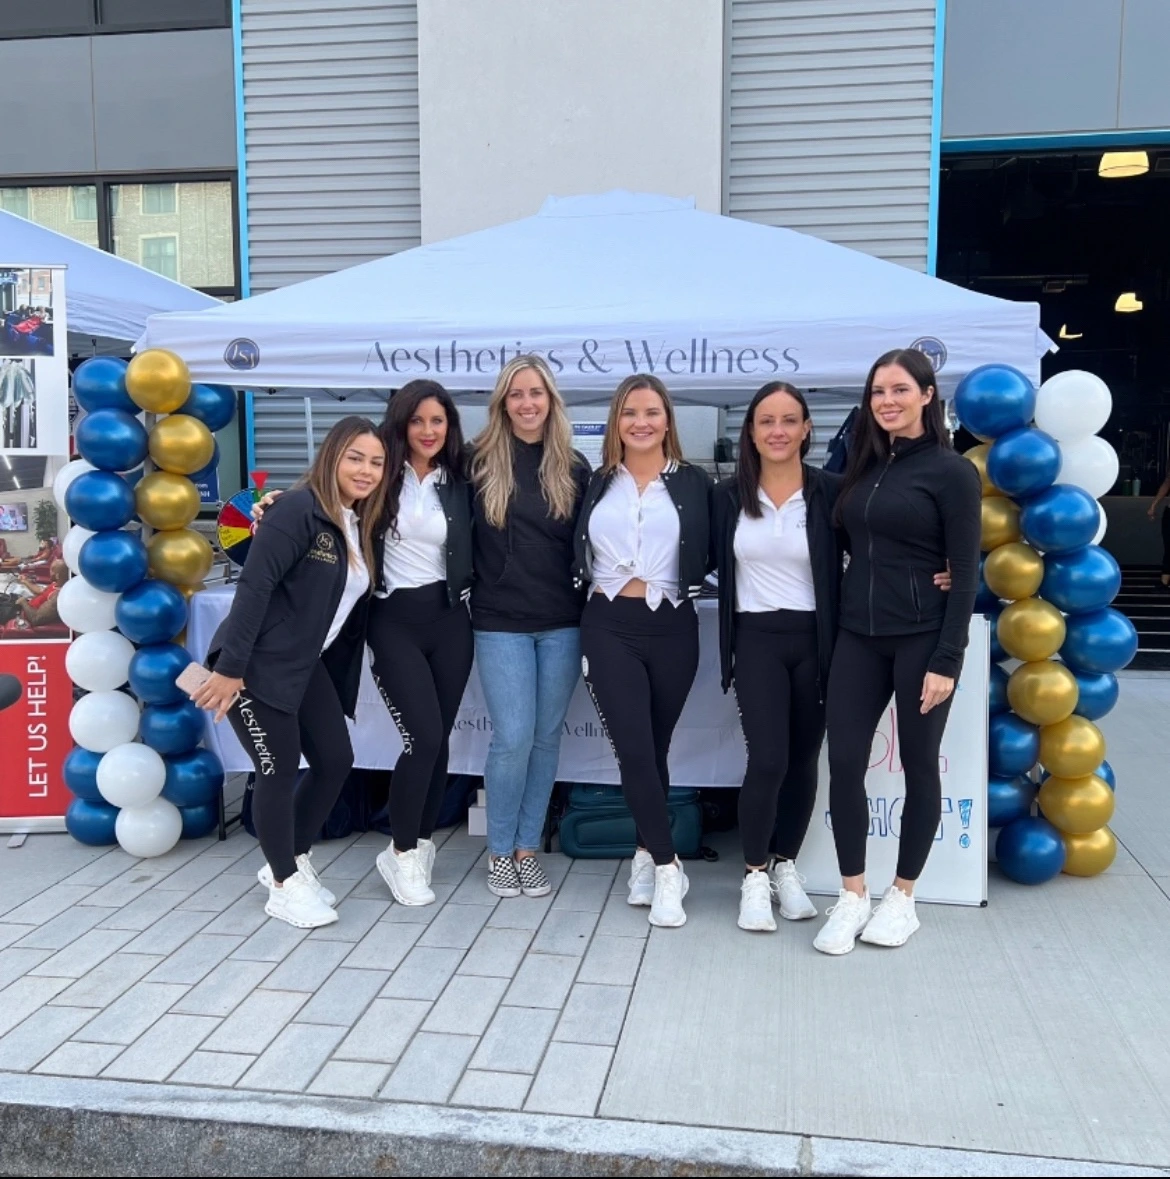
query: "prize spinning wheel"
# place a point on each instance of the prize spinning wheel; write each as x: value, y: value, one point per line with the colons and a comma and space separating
x: 235, y: 527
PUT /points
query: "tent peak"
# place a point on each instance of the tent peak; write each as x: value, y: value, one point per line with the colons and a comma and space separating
x: 616, y: 202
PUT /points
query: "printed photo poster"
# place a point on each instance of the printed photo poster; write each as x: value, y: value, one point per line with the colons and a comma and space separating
x: 34, y: 361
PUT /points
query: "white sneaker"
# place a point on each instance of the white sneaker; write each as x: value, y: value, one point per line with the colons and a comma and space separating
x: 788, y: 892
x: 306, y: 869
x: 755, y: 902
x: 405, y: 874
x: 297, y: 902
x: 893, y: 921
x: 670, y: 886
x: 427, y: 848
x: 847, y: 919
x: 641, y: 879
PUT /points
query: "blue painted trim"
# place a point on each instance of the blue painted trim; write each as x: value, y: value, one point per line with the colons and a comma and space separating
x: 940, y: 37
x: 1086, y: 139
x: 242, y: 212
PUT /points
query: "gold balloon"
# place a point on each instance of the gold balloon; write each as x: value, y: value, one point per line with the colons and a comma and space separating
x: 181, y: 444
x: 182, y: 557
x: 1000, y: 522
x: 1014, y: 570
x: 166, y: 501
x: 978, y: 456
x: 1031, y: 630
x: 158, y: 381
x: 188, y: 591
x: 1043, y: 693
x: 1072, y: 748
x: 1076, y: 805
x: 1089, y: 854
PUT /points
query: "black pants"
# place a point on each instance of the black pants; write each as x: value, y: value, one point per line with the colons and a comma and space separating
x: 783, y: 726
x: 287, y: 814
x: 864, y: 675
x: 1166, y: 540
x: 422, y: 651
x: 639, y: 665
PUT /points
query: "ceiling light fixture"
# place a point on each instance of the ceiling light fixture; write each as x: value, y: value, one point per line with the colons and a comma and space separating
x: 1128, y: 301
x: 1118, y: 164
x: 6, y: 462
x: 1065, y: 334
x: 17, y: 482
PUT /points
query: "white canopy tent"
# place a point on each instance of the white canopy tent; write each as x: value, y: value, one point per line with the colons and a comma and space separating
x: 604, y: 286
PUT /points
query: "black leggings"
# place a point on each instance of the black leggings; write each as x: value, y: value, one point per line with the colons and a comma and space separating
x: 865, y: 673
x: 783, y: 721
x: 639, y: 665
x: 422, y: 650
x: 287, y: 814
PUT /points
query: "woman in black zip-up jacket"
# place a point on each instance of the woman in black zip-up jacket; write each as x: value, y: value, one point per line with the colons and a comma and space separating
x: 643, y: 546
x: 908, y: 504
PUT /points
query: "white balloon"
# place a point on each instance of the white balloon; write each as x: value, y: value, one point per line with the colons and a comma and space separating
x: 66, y: 475
x: 1073, y: 405
x: 71, y: 546
x: 99, y: 660
x: 84, y: 607
x: 149, y: 830
x: 1091, y: 464
x: 103, y: 720
x: 131, y: 775
x: 1101, y: 528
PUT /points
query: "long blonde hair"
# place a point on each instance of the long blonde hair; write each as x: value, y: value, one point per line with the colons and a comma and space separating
x: 321, y: 480
x: 492, y: 461
x: 612, y: 451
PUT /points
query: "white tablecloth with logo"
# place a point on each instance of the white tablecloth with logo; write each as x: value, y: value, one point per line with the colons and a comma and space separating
x: 708, y: 750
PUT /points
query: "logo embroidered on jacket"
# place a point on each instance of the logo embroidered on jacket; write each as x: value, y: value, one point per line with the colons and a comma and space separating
x: 324, y: 549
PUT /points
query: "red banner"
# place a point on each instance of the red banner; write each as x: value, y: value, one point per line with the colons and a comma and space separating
x: 36, y: 697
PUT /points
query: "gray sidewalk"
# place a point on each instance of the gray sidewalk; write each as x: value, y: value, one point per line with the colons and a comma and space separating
x: 1037, y: 1027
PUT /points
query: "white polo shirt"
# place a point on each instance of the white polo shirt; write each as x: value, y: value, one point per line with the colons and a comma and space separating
x: 772, y: 566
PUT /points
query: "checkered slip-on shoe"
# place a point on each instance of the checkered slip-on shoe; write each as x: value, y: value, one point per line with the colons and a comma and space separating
x: 503, y: 879
x: 533, y: 881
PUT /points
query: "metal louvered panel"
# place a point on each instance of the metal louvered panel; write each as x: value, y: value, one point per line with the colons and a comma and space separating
x: 330, y: 134
x: 829, y: 120
x: 828, y: 409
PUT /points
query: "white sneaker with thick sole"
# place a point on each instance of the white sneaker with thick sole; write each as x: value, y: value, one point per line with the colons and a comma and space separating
x: 670, y: 886
x: 641, y: 879
x: 405, y: 875
x: 427, y: 848
x: 847, y: 918
x: 306, y: 869
x: 788, y: 892
x: 755, y: 902
x: 893, y: 921
x: 298, y: 902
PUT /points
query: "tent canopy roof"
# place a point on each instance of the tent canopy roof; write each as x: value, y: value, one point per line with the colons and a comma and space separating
x: 604, y: 286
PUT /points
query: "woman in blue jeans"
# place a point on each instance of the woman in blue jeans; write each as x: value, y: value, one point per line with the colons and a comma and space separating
x: 525, y: 611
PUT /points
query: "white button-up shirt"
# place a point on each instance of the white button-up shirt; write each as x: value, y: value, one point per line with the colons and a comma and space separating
x: 417, y: 556
x: 772, y: 566
x: 357, y: 578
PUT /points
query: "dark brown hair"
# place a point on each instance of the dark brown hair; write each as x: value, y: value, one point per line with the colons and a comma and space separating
x: 747, y: 470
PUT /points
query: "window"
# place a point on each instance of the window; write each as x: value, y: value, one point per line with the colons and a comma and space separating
x: 157, y: 198
x: 14, y: 200
x: 47, y: 18
x: 161, y: 254
x: 83, y: 199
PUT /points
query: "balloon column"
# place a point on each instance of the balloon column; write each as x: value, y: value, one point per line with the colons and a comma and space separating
x: 144, y: 794
x: 1046, y: 586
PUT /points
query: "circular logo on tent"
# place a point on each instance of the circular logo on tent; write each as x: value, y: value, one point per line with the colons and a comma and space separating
x: 242, y: 354
x: 934, y: 350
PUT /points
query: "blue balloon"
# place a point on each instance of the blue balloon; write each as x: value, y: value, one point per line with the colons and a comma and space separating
x: 1083, y: 579
x: 993, y: 399
x: 204, y: 473
x: 194, y: 779
x: 1030, y: 850
x: 985, y: 600
x: 100, y: 383
x: 1101, y: 640
x: 1013, y: 745
x: 99, y: 501
x: 997, y: 652
x: 113, y: 561
x: 133, y: 478
x: 91, y: 822
x: 153, y: 670
x: 199, y: 821
x: 152, y: 612
x: 997, y: 700
x: 1098, y: 692
x: 1009, y: 799
x: 1059, y: 519
x: 172, y: 728
x: 213, y: 405
x: 1105, y: 770
x: 1023, y: 462
x: 80, y: 773
x: 112, y: 440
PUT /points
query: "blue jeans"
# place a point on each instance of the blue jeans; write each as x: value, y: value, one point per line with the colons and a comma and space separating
x: 528, y: 681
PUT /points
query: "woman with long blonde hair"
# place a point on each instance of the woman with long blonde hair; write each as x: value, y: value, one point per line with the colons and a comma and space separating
x: 525, y: 610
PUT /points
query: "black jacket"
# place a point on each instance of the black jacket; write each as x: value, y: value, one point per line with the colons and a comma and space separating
x: 285, y: 601
x: 904, y: 522
x: 824, y: 548
x: 455, y: 496
x: 691, y: 489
